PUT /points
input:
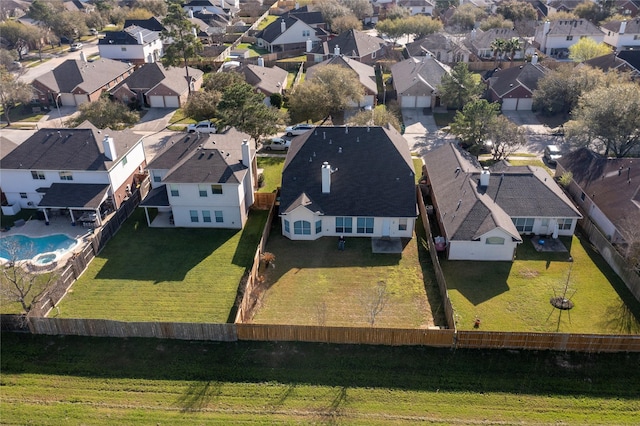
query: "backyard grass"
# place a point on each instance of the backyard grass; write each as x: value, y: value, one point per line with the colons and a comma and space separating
x: 266, y: 21
x: 443, y: 119
x: 314, y: 283
x: 515, y: 296
x: 173, y: 275
x: 272, y: 172
x: 53, y: 380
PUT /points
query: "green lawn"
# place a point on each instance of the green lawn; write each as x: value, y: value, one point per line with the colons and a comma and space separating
x: 54, y: 380
x: 272, y: 171
x: 156, y: 274
x: 515, y: 296
x: 443, y: 119
x: 266, y: 21
x: 314, y: 283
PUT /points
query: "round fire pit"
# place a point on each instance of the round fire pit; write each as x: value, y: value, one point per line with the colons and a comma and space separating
x: 561, y: 303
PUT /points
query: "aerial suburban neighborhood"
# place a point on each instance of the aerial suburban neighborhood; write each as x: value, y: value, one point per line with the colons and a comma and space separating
x: 319, y: 211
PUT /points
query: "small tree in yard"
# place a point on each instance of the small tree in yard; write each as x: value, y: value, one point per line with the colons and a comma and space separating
x: 376, y: 301
x: 460, y: 87
x: 12, y: 92
x: 105, y: 113
x: 473, y: 125
x: 202, y: 105
x: 506, y: 136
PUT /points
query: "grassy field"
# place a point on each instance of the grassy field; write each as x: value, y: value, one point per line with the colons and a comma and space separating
x: 272, y: 171
x: 50, y: 380
x: 515, y: 296
x: 154, y: 274
x: 314, y: 283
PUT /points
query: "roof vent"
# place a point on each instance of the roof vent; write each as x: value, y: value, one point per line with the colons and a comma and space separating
x: 339, y: 150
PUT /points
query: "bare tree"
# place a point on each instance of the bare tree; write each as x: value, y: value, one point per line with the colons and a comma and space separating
x: 376, y: 301
x: 18, y: 283
x: 321, y: 313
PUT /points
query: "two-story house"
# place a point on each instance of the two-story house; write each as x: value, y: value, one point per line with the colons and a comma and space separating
x: 292, y: 31
x: 203, y: 181
x: 622, y: 35
x: 442, y: 46
x: 73, y: 169
x: 416, y: 81
x: 133, y: 44
x: 353, y: 44
x: 554, y: 38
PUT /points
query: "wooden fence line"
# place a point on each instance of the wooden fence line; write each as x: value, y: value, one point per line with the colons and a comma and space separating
x: 609, y: 253
x: 442, y: 282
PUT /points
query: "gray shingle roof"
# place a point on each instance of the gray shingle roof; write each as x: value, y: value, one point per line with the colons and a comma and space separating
x: 575, y: 27
x: 418, y: 76
x: 268, y: 80
x: 74, y: 195
x: 70, y: 149
x: 374, y: 173
x: 433, y: 42
x: 352, y: 43
x: 150, y: 75
x: 632, y: 27
x: 88, y: 77
x: 203, y: 158
x: 483, y: 39
x: 506, y: 80
x: 129, y: 36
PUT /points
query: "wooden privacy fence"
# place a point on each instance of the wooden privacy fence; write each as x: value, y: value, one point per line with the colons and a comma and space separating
x: 110, y: 328
x: 347, y: 335
x: 547, y: 341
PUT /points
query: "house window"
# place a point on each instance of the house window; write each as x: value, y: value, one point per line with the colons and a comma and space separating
x: 569, y: 38
x: 373, y: 55
x: 23, y: 195
x: 123, y: 49
x: 565, y: 224
x: 37, y: 175
x: 318, y: 226
x: 495, y: 240
x: 636, y: 37
x: 219, y: 217
x: 306, y: 33
x: 286, y: 226
x: 206, y: 216
x: 194, y: 215
x: 124, y: 161
x: 302, y: 227
x: 157, y: 178
x: 582, y: 196
x: 365, y: 225
x: 174, y: 191
x: 523, y: 224
x: 344, y: 225
x: 216, y: 189
x: 65, y: 176
x: 202, y: 189
x: 402, y: 224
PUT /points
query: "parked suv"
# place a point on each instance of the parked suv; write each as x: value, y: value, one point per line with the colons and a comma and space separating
x: 298, y: 129
x: 277, y: 144
x: 552, y: 153
x: 202, y: 127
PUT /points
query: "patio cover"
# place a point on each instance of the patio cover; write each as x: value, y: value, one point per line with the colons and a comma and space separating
x: 74, y: 195
x: 157, y: 197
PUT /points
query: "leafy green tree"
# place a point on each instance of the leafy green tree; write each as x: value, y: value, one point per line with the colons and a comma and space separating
x: 346, y: 23
x: 561, y: 15
x: 156, y: 7
x: 506, y: 136
x: 69, y: 24
x: 329, y: 91
x: 495, y: 21
x: 421, y: 26
x: 379, y: 116
x: 460, y: 87
x: 559, y: 90
x: 105, y: 113
x: 183, y: 42
x: 609, y: 114
x: 219, y: 81
x: 331, y: 9
x: 472, y: 125
x: 7, y: 57
x: 397, y: 12
x: 393, y: 28
x: 517, y: 11
x: 587, y: 48
x: 360, y: 8
x: 42, y: 11
x: 17, y: 36
x: 12, y: 92
x: 276, y: 100
x: 512, y: 46
x: 245, y: 110
x: 202, y: 105
x: 499, y: 47
x: 466, y: 16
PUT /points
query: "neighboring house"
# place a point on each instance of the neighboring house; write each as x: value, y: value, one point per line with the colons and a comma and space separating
x: 483, y: 213
x: 266, y: 80
x: 442, y: 46
x: 13, y: 9
x: 607, y: 190
x: 513, y: 87
x: 155, y: 86
x: 555, y: 38
x: 211, y: 6
x: 366, y: 76
x: 353, y: 44
x: 81, y: 169
x: 203, y: 181
x: 416, y: 81
x: 75, y: 82
x: 134, y: 44
x: 348, y: 181
x: 615, y: 62
x: 78, y: 6
x: 556, y: 6
x: 292, y: 31
x: 417, y: 7
x: 622, y: 35
x: 151, y: 24
x: 630, y: 8
x: 480, y: 42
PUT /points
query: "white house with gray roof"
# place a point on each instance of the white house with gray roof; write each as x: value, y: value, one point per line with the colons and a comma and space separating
x: 484, y: 213
x: 623, y: 35
x: 76, y: 169
x: 203, y: 181
x: 416, y: 81
x: 348, y: 181
x: 133, y: 44
x: 554, y: 38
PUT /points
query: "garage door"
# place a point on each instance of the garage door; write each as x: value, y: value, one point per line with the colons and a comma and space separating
x: 509, y: 104
x: 408, y: 102
x: 171, y: 102
x: 423, y: 102
x: 156, y: 101
x: 525, y: 104
x: 81, y: 99
x: 67, y: 99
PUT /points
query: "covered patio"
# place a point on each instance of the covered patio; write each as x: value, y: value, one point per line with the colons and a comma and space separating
x: 87, y: 204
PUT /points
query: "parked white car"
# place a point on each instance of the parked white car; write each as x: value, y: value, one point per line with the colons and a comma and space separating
x: 277, y: 144
x: 76, y: 46
x: 552, y: 153
x: 202, y: 127
x: 298, y: 129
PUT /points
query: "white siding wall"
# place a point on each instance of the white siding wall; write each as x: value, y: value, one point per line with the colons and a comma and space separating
x: 480, y: 250
x: 119, y: 173
x: 294, y: 34
x: 556, y: 42
x: 189, y: 199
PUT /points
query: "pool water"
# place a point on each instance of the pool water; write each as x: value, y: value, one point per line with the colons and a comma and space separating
x: 21, y: 247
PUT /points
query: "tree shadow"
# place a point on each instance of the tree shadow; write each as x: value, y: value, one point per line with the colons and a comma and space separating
x: 199, y: 394
x: 432, y: 290
x: 622, y: 319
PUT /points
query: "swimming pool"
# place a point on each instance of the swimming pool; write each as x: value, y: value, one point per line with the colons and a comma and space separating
x: 21, y: 247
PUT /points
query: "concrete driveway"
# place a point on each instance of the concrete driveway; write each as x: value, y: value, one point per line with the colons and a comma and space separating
x: 421, y: 132
x: 155, y: 120
x: 538, y: 135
